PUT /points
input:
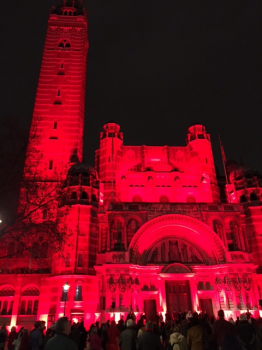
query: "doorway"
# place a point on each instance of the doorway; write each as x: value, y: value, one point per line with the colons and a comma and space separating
x: 150, y: 309
x: 206, y: 306
x: 178, y: 296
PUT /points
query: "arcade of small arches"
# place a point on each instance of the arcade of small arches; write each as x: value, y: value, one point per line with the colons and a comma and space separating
x: 28, y: 300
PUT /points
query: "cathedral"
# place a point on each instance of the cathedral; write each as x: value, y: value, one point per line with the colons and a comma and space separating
x: 150, y: 229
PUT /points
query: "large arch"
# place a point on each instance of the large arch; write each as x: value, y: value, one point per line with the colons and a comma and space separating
x: 176, y: 226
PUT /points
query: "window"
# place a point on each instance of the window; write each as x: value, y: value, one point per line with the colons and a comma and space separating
x: 80, y: 260
x: 73, y: 195
x: 29, y: 307
x: 67, y: 260
x: 51, y: 163
x: 58, y: 93
x: 44, y: 214
x: 5, y: 305
x: 22, y: 309
x: 20, y: 250
x: 62, y: 65
x: 64, y: 45
x: 55, y: 125
x: 11, y: 249
x: 35, y: 307
x: 35, y: 250
x: 84, y: 195
x: 78, y: 296
x: 44, y: 250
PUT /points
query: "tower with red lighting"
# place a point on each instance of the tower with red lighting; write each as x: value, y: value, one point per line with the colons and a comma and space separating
x: 56, y: 135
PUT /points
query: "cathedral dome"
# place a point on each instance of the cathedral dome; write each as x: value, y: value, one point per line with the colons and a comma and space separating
x: 82, y: 168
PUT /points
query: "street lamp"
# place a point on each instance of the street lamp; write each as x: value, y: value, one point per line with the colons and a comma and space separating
x: 65, y: 293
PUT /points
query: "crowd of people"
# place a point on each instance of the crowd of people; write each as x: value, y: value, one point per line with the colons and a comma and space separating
x: 188, y: 331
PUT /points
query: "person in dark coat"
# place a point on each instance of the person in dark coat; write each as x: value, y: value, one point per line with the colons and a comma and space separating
x: 61, y: 341
x: 149, y: 340
x: 36, y: 337
x: 220, y: 328
x: 127, y: 339
x: 95, y: 341
x: 24, y: 345
x: 12, y: 337
x: 75, y: 334
x: 83, y: 335
x: 246, y: 333
x: 3, y: 336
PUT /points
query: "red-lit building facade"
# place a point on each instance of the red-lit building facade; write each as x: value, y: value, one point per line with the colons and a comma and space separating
x: 149, y: 227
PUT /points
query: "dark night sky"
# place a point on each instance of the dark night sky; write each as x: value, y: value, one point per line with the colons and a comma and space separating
x: 155, y: 67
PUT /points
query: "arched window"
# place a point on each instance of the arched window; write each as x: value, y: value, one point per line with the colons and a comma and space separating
x: 163, y: 252
x: 20, y: 250
x: 67, y: 260
x: 73, y: 195
x: 243, y: 198
x: 64, y: 45
x: 80, y: 260
x: 44, y: 250
x: 132, y: 227
x: 35, y: 250
x: 10, y: 307
x: 253, y: 196
x: 84, y: 195
x: 5, y: 306
x: 35, y: 307
x: 11, y: 249
x: 22, y: 308
x: 29, y: 310
x: 116, y: 232
x: 78, y: 296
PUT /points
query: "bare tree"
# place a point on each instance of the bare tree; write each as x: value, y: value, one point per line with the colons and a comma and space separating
x: 33, y: 226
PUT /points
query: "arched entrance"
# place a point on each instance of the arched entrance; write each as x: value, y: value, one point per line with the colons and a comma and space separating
x: 178, y: 247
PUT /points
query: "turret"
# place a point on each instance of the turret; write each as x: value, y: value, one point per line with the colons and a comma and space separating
x: 201, y: 159
x: 108, y: 159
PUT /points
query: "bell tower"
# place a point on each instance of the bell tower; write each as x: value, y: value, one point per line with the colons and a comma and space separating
x: 56, y: 134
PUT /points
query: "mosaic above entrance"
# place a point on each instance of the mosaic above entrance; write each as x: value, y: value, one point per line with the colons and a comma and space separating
x: 175, y: 250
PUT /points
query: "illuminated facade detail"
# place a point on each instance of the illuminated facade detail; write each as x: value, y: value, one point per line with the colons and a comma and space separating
x: 147, y: 227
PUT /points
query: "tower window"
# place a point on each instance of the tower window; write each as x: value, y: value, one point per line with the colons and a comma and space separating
x: 55, y: 125
x: 58, y: 92
x: 78, y: 296
x: 64, y: 45
x: 80, y: 260
x: 61, y: 65
x: 51, y: 163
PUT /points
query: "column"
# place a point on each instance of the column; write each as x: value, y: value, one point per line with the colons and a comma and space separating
x: 15, y: 310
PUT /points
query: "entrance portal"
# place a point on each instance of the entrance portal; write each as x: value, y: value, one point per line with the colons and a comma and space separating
x: 178, y: 296
x: 206, y: 306
x: 150, y: 309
